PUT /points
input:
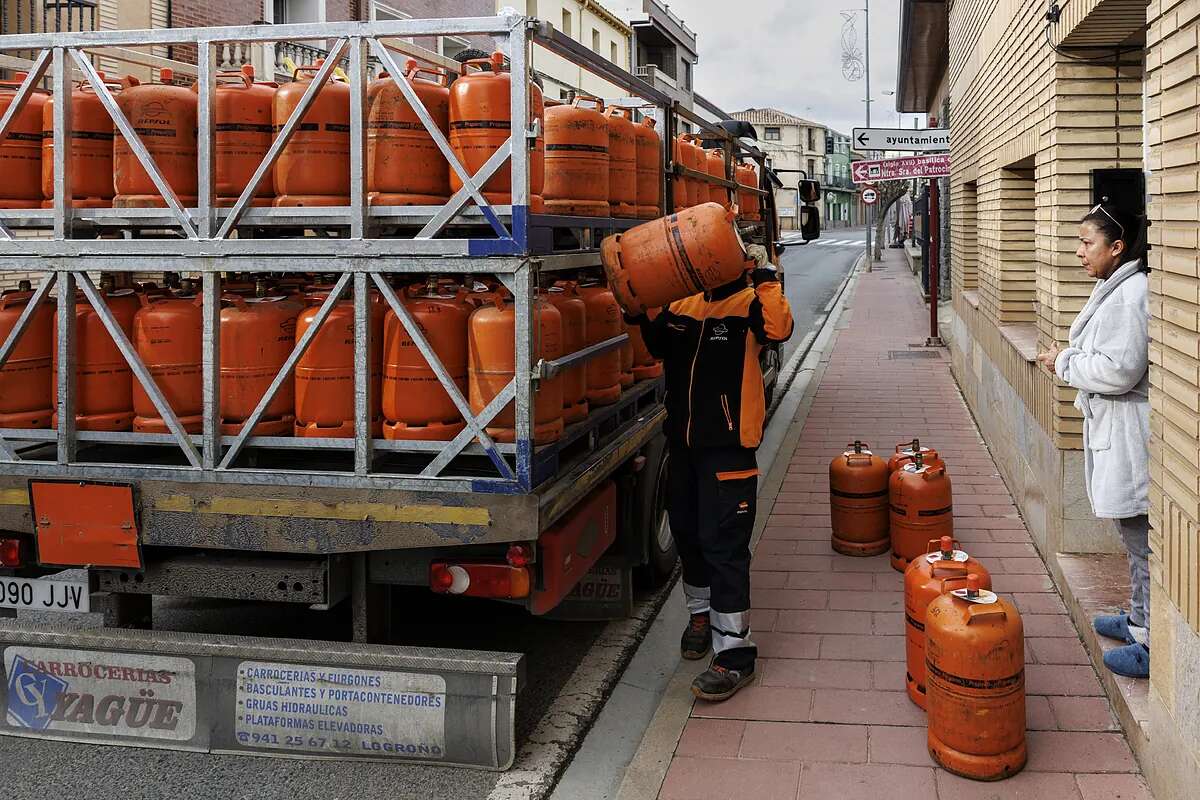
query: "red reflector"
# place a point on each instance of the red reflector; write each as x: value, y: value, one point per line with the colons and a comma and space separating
x: 479, y: 580
x: 10, y: 552
x: 519, y: 555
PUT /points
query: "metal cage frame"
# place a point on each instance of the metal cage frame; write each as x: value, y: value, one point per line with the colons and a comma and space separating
x: 202, y: 244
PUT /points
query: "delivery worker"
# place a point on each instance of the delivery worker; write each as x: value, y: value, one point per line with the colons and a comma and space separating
x: 710, y: 344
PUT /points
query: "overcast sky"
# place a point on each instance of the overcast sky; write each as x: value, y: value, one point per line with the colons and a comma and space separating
x: 787, y: 54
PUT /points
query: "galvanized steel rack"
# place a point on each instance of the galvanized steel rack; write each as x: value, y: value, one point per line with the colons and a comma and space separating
x: 359, y: 243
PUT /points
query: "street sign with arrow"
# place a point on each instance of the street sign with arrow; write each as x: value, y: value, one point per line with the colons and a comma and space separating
x: 928, y: 140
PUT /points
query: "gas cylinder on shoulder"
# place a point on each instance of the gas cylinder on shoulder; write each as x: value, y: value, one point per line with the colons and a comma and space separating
x: 927, y: 578
x: 975, y: 659
x: 922, y: 508
x: 858, y: 502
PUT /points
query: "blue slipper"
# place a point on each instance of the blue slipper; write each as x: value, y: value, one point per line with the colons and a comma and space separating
x: 1132, y: 661
x: 1114, y: 626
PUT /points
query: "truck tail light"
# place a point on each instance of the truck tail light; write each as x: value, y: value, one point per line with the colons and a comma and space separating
x: 10, y: 552
x: 519, y: 555
x: 479, y: 580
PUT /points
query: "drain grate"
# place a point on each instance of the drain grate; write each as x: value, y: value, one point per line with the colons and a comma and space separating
x: 894, y: 355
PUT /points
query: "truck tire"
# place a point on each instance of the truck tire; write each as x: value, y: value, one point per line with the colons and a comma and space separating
x: 651, y: 517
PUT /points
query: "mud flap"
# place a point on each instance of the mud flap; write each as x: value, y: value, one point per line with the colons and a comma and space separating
x: 260, y: 696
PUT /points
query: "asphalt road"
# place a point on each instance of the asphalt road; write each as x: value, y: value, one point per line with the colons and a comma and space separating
x: 813, y: 272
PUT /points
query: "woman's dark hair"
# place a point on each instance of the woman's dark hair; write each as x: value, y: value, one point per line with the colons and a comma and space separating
x: 1116, y: 223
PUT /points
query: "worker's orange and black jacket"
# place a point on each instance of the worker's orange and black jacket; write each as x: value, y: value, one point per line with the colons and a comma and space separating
x: 710, y: 345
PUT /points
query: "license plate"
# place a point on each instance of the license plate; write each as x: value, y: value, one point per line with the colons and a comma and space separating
x: 44, y: 595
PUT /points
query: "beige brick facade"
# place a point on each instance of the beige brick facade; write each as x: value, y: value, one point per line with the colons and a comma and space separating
x: 1029, y: 126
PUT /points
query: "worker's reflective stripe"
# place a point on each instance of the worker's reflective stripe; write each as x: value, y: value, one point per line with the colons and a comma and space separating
x: 376, y: 512
x: 730, y: 630
x: 737, y: 474
x: 696, y: 598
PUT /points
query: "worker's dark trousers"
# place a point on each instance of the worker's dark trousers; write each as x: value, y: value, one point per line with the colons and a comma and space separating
x: 710, y: 503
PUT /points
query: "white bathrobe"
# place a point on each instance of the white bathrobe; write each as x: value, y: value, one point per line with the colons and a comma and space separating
x: 1107, y: 360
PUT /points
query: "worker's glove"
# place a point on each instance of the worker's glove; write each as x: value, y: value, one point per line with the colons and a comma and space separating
x: 758, y: 254
x: 762, y: 270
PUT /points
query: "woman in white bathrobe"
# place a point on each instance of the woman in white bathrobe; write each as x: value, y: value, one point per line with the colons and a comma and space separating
x: 1107, y: 360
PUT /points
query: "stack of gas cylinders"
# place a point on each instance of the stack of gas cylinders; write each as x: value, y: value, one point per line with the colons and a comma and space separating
x: 591, y: 161
x: 469, y: 324
x: 964, y: 644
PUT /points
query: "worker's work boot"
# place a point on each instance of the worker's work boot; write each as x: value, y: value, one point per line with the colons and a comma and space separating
x: 720, y: 683
x: 697, y: 638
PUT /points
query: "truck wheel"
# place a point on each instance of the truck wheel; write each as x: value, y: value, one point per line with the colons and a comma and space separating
x: 661, y: 555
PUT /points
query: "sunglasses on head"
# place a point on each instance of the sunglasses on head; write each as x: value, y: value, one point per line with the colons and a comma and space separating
x: 1100, y: 207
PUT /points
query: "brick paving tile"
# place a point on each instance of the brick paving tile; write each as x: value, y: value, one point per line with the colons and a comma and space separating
x: 1074, y: 751
x: 772, y: 703
x: 1083, y: 713
x: 833, y: 581
x: 816, y: 674
x: 865, y: 648
x: 882, y: 708
x: 866, y: 782
x: 899, y: 745
x: 828, y: 718
x: 866, y: 601
x: 711, y: 737
x: 788, y: 599
x: 1113, y: 787
x: 888, y: 676
x: 729, y: 779
x: 1061, y: 679
x: 1022, y: 786
x: 803, y: 741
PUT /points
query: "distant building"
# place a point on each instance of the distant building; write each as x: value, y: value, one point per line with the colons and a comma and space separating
x: 840, y: 206
x: 591, y: 24
x: 795, y: 145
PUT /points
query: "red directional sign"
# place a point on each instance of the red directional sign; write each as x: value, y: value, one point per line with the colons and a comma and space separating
x: 898, y: 169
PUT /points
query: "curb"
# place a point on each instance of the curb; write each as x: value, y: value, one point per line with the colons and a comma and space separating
x: 645, y: 773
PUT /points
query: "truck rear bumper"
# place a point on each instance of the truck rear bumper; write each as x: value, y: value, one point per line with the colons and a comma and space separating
x: 260, y: 696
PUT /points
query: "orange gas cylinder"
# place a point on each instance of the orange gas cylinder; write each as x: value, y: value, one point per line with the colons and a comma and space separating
x: 577, y: 159
x: 622, y: 166
x: 325, y: 373
x: 103, y: 380
x: 603, y: 322
x: 257, y: 336
x: 749, y: 202
x: 679, y: 184
x: 404, y: 165
x: 659, y: 262
x: 91, y: 148
x: 566, y: 299
x: 480, y: 124
x: 25, y: 400
x: 415, y: 405
x: 627, y: 378
x: 927, y: 578
x: 858, y: 502
x: 167, y: 333
x: 492, y: 364
x: 242, y: 134
x: 21, y: 151
x: 906, y: 452
x: 921, y: 509
x: 645, y: 365
x: 164, y: 117
x: 314, y: 168
x: 695, y: 159
x: 715, y: 161
x: 649, y: 170
x: 975, y: 658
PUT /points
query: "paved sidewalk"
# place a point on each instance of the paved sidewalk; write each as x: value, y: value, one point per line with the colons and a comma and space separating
x: 828, y: 717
